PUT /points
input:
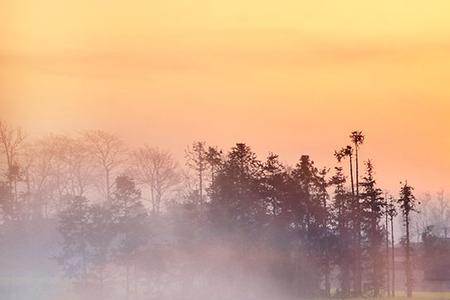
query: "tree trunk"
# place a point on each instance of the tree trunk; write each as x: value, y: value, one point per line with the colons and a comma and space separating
x: 358, y: 289
x: 152, y: 191
x: 327, y: 280
x: 200, y: 175
x: 392, y: 258
x: 351, y: 176
x: 388, y: 284
x: 136, y: 281
x: 108, y: 192
x: 408, y: 267
x: 127, y: 281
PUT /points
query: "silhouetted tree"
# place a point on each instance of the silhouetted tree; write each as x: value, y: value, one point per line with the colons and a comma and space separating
x: 407, y: 203
x: 341, y: 209
x: 6, y: 202
x: 101, y: 234
x: 235, y: 204
x: 73, y: 227
x: 274, y: 181
x: 108, y: 151
x: 357, y: 139
x: 128, y: 215
x: 391, y: 211
x: 310, y: 193
x: 156, y: 169
x: 386, y: 237
x: 197, y: 160
x: 11, y: 142
x: 347, y: 152
x: 373, y: 204
x: 214, y: 159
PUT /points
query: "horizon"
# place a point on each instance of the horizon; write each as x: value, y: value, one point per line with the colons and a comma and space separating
x: 173, y: 73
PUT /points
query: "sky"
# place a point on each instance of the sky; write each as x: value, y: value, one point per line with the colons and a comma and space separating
x: 291, y: 77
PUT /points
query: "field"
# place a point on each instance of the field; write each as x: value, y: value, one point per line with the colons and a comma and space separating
x: 417, y: 296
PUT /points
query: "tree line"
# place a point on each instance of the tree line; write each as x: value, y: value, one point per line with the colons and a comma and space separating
x: 136, y: 222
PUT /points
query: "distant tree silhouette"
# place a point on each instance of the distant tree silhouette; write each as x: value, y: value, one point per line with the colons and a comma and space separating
x: 386, y: 241
x: 391, y: 212
x: 6, y: 202
x: 101, y: 234
x: 310, y: 218
x: 357, y: 139
x: 234, y: 194
x: 274, y: 182
x: 342, y: 217
x: 156, y: 169
x: 197, y: 160
x: 214, y: 159
x: 73, y: 227
x: 108, y: 151
x: 11, y: 142
x: 407, y: 203
x: 347, y: 152
x: 373, y: 204
x: 128, y: 215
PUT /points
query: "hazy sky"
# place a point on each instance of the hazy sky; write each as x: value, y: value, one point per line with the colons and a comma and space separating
x: 291, y: 77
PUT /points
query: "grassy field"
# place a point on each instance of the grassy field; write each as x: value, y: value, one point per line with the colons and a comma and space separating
x: 416, y: 296
x: 50, y: 288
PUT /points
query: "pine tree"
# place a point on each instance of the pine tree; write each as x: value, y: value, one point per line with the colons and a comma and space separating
x: 391, y: 211
x: 408, y: 204
x: 373, y: 208
x: 357, y: 139
x: 311, y: 193
x: 73, y: 227
x: 197, y: 160
x: 101, y: 234
x: 214, y: 159
x: 128, y: 215
x: 235, y: 202
x: 341, y: 210
x: 273, y: 185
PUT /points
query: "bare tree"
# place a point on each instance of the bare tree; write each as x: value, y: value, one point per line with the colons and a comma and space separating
x: 108, y: 151
x: 78, y: 164
x: 39, y: 165
x: 157, y: 170
x: 12, y: 140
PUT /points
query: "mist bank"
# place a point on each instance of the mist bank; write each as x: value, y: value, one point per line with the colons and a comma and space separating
x: 87, y: 217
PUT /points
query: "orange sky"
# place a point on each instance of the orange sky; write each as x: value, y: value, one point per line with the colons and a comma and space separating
x: 291, y: 77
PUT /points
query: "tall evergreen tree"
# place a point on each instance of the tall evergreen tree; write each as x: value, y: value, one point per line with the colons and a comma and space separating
x: 235, y: 201
x: 373, y: 204
x: 73, y: 227
x: 391, y: 211
x: 341, y: 209
x: 310, y: 218
x: 357, y: 139
x: 128, y: 215
x: 101, y: 234
x: 214, y: 159
x: 407, y: 203
x: 197, y: 160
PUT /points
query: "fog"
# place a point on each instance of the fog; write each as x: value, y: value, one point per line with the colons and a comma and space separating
x: 86, y: 216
